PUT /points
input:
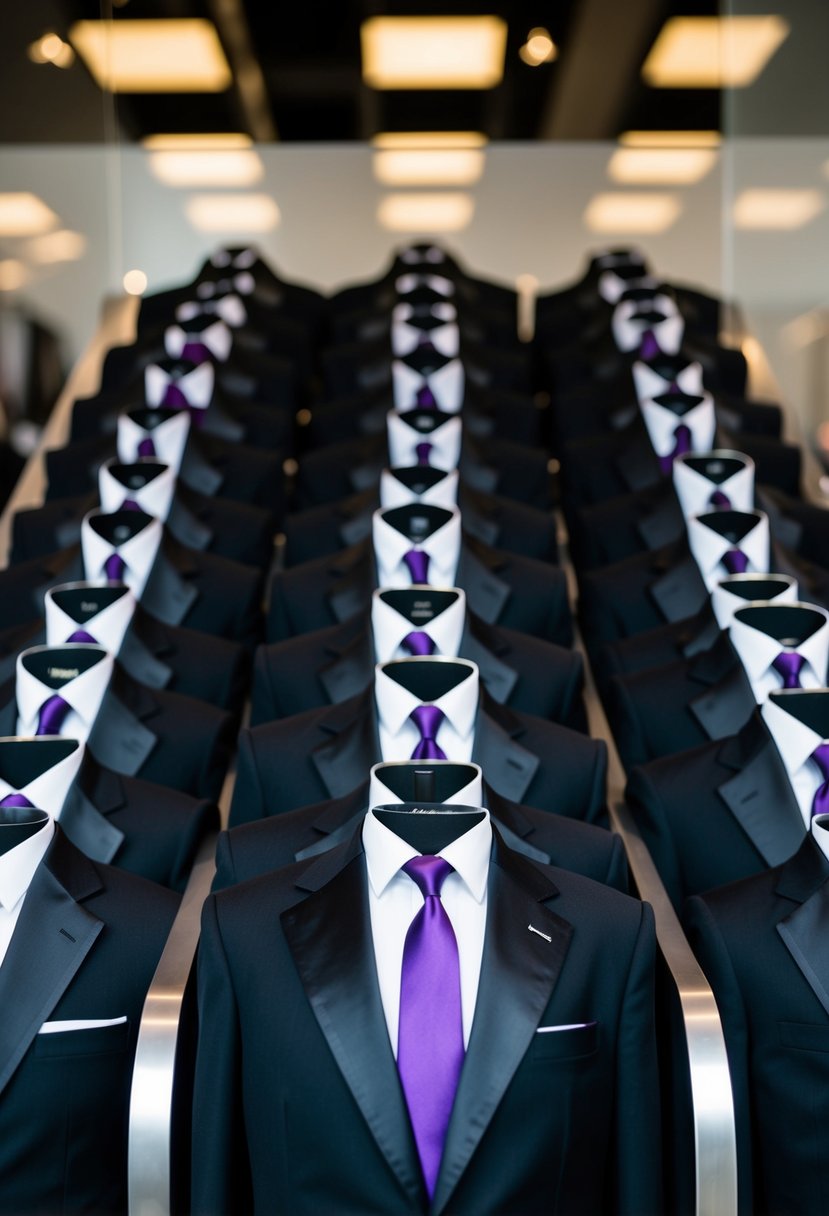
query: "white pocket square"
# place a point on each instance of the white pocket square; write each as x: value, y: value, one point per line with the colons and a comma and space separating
x: 568, y: 1026
x: 80, y: 1024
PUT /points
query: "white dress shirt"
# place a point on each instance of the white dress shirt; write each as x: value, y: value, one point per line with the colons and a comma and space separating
x: 471, y: 794
x: 83, y: 692
x: 169, y: 438
x: 393, y: 493
x: 661, y: 423
x: 403, y: 439
x: 49, y: 790
x: 446, y: 384
x: 139, y: 553
x: 725, y: 602
x: 406, y: 337
x: 443, y: 548
x: 395, y: 900
x: 399, y: 736
x: 17, y: 869
x: 757, y: 651
x: 612, y: 286
x: 435, y: 282
x: 230, y: 308
x: 241, y: 260
x: 433, y: 254
x: 820, y: 834
x: 795, y: 742
x: 242, y: 283
x: 389, y: 627
x: 155, y: 497
x: 107, y: 627
x: 694, y: 489
x: 197, y: 385
x: 216, y: 337
x: 709, y: 547
x: 629, y: 332
x: 648, y: 383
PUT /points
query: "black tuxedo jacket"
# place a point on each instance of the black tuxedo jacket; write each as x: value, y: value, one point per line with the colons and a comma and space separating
x: 159, y: 736
x: 495, y: 466
x: 255, y: 848
x: 325, y: 753
x: 330, y: 665
x: 210, y: 466
x: 381, y: 293
x: 202, y: 591
x: 659, y: 647
x: 351, y: 367
x: 502, y: 522
x: 720, y: 812
x: 237, y: 530
x: 161, y: 656
x: 604, y: 466
x: 302, y: 991
x: 480, y: 326
x: 85, y: 948
x: 762, y: 945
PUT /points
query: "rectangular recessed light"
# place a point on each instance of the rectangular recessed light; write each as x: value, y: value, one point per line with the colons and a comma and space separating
x: 171, y: 55
x: 24, y: 214
x: 210, y: 168
x: 661, y: 166
x: 438, y: 167
x: 433, y: 52
x: 187, y: 141
x: 429, y: 139
x: 670, y: 139
x: 61, y: 246
x: 421, y: 213
x: 781, y: 209
x: 713, y: 52
x: 232, y: 213
x: 631, y: 213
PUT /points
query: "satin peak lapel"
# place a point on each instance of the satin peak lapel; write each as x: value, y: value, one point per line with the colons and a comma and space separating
x: 351, y: 593
x: 760, y: 798
x: 679, y: 592
x: 499, y: 678
x: 725, y: 707
x: 351, y: 672
x: 344, y: 758
x: 485, y: 591
x: 167, y: 594
x: 509, y: 767
x: 118, y: 739
x: 87, y: 828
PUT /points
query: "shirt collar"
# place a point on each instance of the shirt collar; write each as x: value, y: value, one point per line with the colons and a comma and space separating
x: 661, y: 423
x: 243, y: 283
x: 243, y: 259
x: 403, y: 439
x: 647, y: 382
x: 389, y: 627
x: 139, y: 553
x: 169, y: 438
x: 628, y: 333
x: 406, y: 338
x: 107, y: 626
x: 725, y: 602
x: 694, y: 490
x: 18, y: 865
x: 757, y: 651
x: 155, y: 498
x: 447, y: 385
x: 230, y: 308
x: 386, y: 854
x: 84, y: 693
x: 820, y: 835
x: 197, y: 385
x: 443, y: 547
x: 48, y: 791
x: 472, y: 794
x: 393, y: 493
x: 612, y: 286
x: 216, y: 337
x: 405, y: 283
x: 459, y: 705
x: 793, y: 739
x: 708, y: 547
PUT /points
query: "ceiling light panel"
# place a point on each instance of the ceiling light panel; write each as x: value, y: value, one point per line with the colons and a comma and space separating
x: 713, y: 52
x: 232, y: 213
x: 197, y: 142
x: 439, y: 167
x: 210, y: 168
x: 624, y: 214
x: 153, y: 56
x: 24, y: 214
x: 425, y: 213
x: 433, y: 52
x: 660, y: 166
x: 670, y: 139
x: 784, y: 209
x: 429, y: 139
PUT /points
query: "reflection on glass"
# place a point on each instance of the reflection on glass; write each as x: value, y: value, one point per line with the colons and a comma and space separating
x: 421, y: 213
x: 776, y: 209
x: 233, y: 168
x: 631, y: 213
x: 24, y: 214
x: 683, y: 166
x: 433, y: 52
x: 439, y: 167
x: 232, y: 213
x: 713, y: 52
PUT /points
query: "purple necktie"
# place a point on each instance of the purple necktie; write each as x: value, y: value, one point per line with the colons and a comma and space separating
x: 427, y: 719
x: 425, y: 399
x: 418, y: 564
x: 788, y: 664
x: 129, y: 504
x: 146, y: 448
x: 820, y: 802
x: 719, y: 501
x: 15, y: 800
x: 648, y: 347
x: 422, y: 451
x: 196, y: 352
x: 51, y: 715
x: 430, y: 1047
x: 682, y: 444
x: 80, y: 635
x: 418, y: 642
x: 114, y: 567
x: 174, y: 399
x: 735, y: 561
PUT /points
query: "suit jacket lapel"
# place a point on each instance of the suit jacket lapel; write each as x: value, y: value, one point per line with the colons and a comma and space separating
x: 51, y: 939
x: 759, y: 795
x: 484, y: 589
x: 727, y: 702
x: 119, y: 739
x: 355, y: 581
x: 86, y: 824
x: 187, y: 528
x: 350, y: 746
x: 167, y: 595
x: 63, y: 567
x: 475, y: 471
x: 678, y: 591
x: 519, y: 971
x: 803, y: 931
x: 499, y: 679
x: 478, y: 519
x: 197, y: 472
x: 636, y: 461
x: 136, y: 657
x: 509, y: 767
x: 351, y: 671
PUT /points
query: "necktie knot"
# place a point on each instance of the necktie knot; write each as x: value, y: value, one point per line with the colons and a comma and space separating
x: 51, y: 715
x: 425, y: 399
x: 15, y: 800
x: 735, y: 561
x: 682, y: 445
x: 719, y: 501
x: 174, y: 398
x: 788, y: 665
x: 80, y: 635
x: 428, y: 873
x: 418, y: 565
x: 821, y: 758
x: 196, y: 352
x: 427, y: 719
x: 114, y: 567
x: 418, y: 643
x: 649, y: 347
x: 129, y: 504
x: 146, y: 448
x: 422, y: 451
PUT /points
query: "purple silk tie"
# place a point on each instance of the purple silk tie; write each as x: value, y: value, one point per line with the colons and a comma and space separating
x: 422, y: 451
x: 418, y: 642
x: 146, y: 448
x: 51, y: 715
x: 196, y: 352
x: 788, y: 664
x: 682, y: 444
x: 425, y: 399
x: 430, y: 1049
x: 15, y: 800
x: 418, y: 564
x: 735, y: 561
x: 820, y: 802
x: 114, y: 567
x: 719, y: 501
x: 80, y: 635
x: 427, y: 719
x: 648, y: 347
x: 174, y: 399
x: 129, y: 504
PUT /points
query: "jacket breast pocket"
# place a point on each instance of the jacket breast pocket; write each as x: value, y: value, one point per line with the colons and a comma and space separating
x: 102, y: 1040
x: 804, y: 1036
x: 566, y: 1043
